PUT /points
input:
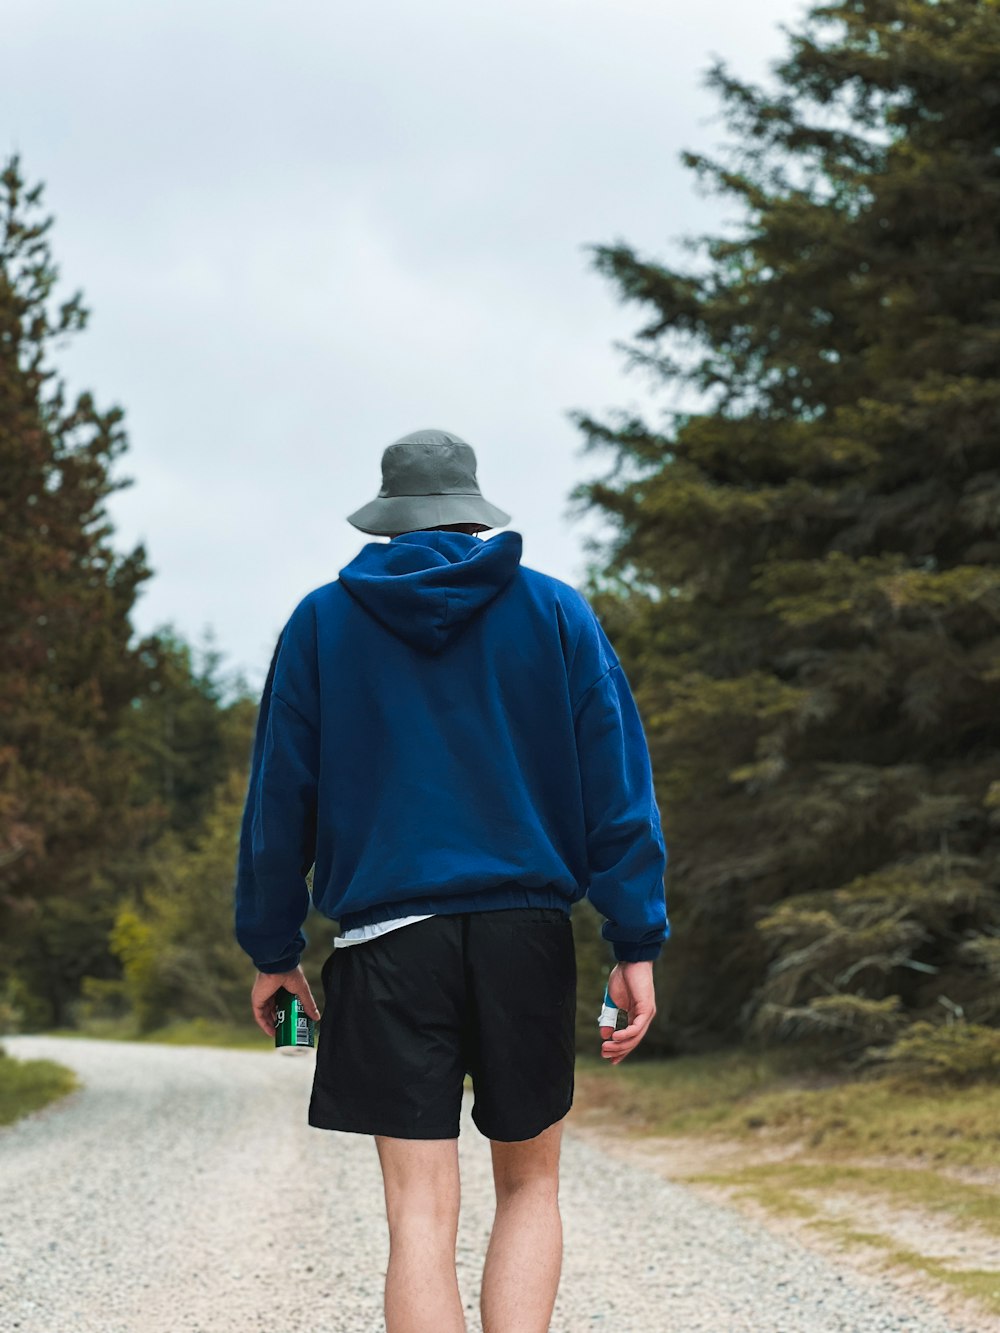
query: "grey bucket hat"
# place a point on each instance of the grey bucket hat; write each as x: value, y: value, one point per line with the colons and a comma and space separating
x: 428, y: 478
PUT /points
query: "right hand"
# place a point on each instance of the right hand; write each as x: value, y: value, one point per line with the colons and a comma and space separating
x: 263, y: 996
x: 630, y: 985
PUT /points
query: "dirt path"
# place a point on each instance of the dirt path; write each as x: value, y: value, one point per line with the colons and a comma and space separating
x: 872, y: 1235
x: 182, y: 1191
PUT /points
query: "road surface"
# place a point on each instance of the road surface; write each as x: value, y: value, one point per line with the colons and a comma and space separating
x: 182, y: 1191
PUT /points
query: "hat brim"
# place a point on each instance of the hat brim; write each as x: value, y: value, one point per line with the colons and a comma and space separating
x: 385, y: 516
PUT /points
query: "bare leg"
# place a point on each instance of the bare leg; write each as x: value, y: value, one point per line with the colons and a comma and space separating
x: 524, y: 1258
x: 422, y: 1196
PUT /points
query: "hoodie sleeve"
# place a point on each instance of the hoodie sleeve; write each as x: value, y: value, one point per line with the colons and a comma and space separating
x: 625, y: 845
x: 278, y: 831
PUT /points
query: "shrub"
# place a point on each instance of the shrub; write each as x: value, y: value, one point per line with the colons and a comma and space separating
x: 943, y: 1054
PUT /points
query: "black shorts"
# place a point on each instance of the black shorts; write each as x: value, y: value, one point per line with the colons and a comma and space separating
x: 409, y: 1013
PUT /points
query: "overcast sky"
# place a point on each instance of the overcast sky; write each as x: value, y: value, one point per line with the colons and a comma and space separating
x: 304, y: 230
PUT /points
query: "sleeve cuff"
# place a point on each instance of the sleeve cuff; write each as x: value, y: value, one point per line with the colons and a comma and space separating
x: 288, y: 964
x: 637, y: 953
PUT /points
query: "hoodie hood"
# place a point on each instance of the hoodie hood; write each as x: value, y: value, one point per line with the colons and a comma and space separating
x: 426, y: 586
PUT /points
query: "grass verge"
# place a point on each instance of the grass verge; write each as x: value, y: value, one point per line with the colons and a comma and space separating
x: 773, y: 1097
x: 28, y: 1085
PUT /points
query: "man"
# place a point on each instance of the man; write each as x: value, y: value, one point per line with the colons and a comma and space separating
x: 448, y: 739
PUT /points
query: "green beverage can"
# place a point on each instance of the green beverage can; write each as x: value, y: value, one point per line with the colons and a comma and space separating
x: 294, y: 1030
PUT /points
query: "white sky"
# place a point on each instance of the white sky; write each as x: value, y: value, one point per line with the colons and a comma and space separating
x: 303, y: 232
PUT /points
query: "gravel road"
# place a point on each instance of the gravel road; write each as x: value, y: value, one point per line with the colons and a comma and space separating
x: 181, y: 1191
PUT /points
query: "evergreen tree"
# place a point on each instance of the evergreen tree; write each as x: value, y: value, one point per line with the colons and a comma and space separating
x: 181, y: 733
x: 804, y: 582
x: 69, y: 827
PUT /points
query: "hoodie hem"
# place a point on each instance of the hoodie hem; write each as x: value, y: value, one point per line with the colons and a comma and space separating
x: 508, y: 894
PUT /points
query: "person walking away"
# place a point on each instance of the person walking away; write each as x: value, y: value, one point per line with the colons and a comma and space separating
x: 448, y: 740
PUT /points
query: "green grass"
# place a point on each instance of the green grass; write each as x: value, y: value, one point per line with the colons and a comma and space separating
x: 28, y: 1085
x: 777, y: 1097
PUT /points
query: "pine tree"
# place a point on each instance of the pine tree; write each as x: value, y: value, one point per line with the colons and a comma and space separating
x: 69, y: 828
x: 804, y: 582
x: 180, y: 733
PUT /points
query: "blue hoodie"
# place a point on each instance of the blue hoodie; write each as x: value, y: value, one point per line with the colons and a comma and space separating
x: 443, y: 730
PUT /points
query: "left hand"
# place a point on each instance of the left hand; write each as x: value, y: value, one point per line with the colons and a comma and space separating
x: 268, y: 984
x: 631, y: 988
